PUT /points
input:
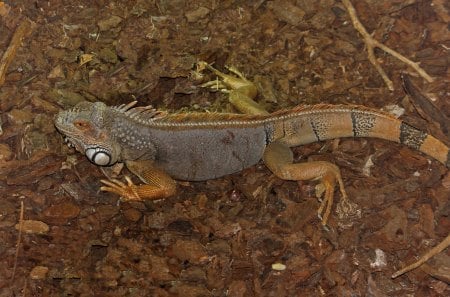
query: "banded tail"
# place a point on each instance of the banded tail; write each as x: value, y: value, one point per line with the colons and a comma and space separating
x: 308, y: 124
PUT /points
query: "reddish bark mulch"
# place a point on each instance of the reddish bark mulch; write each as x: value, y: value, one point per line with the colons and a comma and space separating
x: 220, y: 237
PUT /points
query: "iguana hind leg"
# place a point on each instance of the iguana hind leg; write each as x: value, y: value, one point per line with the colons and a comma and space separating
x: 241, y: 91
x: 157, y: 185
x: 278, y: 158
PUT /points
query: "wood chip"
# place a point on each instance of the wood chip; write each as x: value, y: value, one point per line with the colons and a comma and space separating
x: 33, y: 227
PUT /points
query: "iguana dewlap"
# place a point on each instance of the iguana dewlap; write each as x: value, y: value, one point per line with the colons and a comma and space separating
x: 200, y: 146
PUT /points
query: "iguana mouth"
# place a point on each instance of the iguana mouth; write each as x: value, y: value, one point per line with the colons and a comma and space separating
x: 73, y: 143
x: 68, y: 141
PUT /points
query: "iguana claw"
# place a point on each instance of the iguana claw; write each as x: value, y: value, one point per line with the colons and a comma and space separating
x: 126, y: 191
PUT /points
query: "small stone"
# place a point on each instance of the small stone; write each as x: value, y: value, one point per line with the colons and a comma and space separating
x: 278, y: 266
x: 39, y: 272
x: 33, y: 227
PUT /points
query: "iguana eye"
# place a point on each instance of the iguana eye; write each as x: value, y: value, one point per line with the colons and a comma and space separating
x: 98, y: 156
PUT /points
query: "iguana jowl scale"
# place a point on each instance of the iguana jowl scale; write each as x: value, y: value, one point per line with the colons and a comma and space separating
x: 201, y: 146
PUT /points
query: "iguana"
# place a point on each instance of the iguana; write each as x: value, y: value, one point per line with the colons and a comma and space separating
x: 159, y: 148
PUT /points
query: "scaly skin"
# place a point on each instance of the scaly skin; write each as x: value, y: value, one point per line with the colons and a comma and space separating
x: 159, y: 148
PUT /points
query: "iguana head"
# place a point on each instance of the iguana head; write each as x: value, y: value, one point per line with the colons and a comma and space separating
x: 87, y: 128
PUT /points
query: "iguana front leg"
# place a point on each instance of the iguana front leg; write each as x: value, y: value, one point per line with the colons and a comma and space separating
x: 157, y: 185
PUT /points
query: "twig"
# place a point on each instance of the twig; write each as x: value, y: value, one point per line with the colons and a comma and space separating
x: 19, y: 239
x: 431, y: 253
x: 371, y: 44
x: 25, y: 27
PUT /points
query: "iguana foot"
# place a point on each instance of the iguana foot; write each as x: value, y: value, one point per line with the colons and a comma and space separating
x: 347, y: 212
x: 328, y: 183
x: 216, y: 85
x: 345, y: 209
x: 127, y: 191
x: 158, y: 184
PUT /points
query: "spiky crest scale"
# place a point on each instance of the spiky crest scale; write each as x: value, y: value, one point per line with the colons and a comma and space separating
x: 147, y: 115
